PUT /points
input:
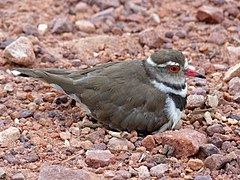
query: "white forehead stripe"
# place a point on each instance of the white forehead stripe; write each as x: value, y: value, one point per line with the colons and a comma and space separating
x: 171, y: 63
x: 186, y: 64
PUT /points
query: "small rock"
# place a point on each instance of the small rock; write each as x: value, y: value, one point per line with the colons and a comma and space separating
x: 186, y: 142
x: 210, y: 14
x: 65, y: 135
x: 8, y: 88
x: 234, y: 86
x: 168, y: 45
x: 181, y: 34
x: 195, y: 164
x: 148, y: 142
x: 85, y: 26
x: 143, y: 172
x: 207, y: 116
x: 203, y: 177
x: 62, y: 25
x: 212, y: 101
x: 124, y: 174
x: 29, y: 29
x: 215, y: 140
x: 81, y: 7
x: 3, y: 174
x: 226, y: 146
x: 31, y: 158
x: 11, y: 159
x: 236, y: 97
x: 194, y: 101
x: 232, y: 121
x: 232, y: 72
x: 215, y: 128
x: 61, y: 173
x: 86, y: 145
x: 215, y: 161
x: 118, y: 144
x: 42, y: 28
x: 103, y: 4
x: 85, y: 130
x: 6, y: 42
x: 98, y: 158
x: 158, y: 170
x: 25, y: 113
x: 20, y: 52
x: 169, y: 34
x: 18, y: 176
x: 217, y: 38
x: 9, y: 136
x: 150, y: 38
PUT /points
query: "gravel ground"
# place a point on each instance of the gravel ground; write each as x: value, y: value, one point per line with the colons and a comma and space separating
x: 43, y: 135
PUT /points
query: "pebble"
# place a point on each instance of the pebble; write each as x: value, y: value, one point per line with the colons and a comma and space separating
x: 103, y: 4
x: 86, y: 145
x: 143, y: 172
x: 202, y: 177
x: 42, y: 28
x: 98, y: 158
x: 234, y: 86
x: 207, y: 116
x: 215, y: 128
x: 20, y: 52
x: 8, y: 88
x: 3, y: 173
x: 123, y: 174
x: 194, y: 101
x: 118, y: 144
x: 169, y: 34
x: 62, y: 25
x: 81, y: 7
x: 9, y: 136
x: 65, y: 135
x: 18, y: 176
x: 25, y: 113
x: 150, y: 38
x: 212, y: 101
x: 11, y: 159
x: 215, y: 140
x: 215, y: 161
x: 232, y: 72
x: 233, y: 121
x: 148, y: 142
x: 210, y: 14
x: 195, y: 164
x: 29, y: 29
x: 208, y: 150
x: 85, y: 130
x: 31, y: 158
x: 181, y: 34
x: 158, y: 170
x: 85, y: 26
x: 61, y: 173
x: 217, y: 38
x: 186, y: 142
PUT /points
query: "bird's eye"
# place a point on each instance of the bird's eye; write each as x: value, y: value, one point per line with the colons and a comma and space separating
x: 174, y: 68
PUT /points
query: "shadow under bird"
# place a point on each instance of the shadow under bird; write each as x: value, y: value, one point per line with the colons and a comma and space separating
x: 147, y: 95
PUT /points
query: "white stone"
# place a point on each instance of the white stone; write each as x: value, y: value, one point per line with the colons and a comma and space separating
x: 20, y: 52
x: 9, y: 136
x: 42, y: 28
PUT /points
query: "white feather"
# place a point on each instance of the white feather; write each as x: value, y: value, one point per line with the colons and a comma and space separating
x: 165, y: 89
x: 173, y: 113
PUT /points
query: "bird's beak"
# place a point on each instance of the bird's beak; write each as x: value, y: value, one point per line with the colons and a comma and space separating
x: 190, y: 72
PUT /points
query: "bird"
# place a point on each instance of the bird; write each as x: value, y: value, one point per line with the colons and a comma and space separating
x: 148, y: 95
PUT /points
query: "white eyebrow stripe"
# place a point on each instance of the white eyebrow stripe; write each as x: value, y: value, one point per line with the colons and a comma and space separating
x: 171, y: 63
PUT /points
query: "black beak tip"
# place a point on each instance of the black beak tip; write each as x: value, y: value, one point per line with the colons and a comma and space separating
x: 201, y: 76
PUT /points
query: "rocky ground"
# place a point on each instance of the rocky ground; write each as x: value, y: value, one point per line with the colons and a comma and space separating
x: 44, y: 136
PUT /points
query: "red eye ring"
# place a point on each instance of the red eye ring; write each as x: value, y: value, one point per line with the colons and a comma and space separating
x: 174, y: 68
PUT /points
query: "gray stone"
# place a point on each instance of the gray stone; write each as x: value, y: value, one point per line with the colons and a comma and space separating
x: 194, y: 101
x: 215, y: 128
x: 3, y: 173
x: 143, y: 172
x: 151, y: 38
x: 234, y: 86
x: 18, y: 176
x: 61, y: 173
x: 159, y: 169
x: 62, y: 25
x: 118, y: 144
x: 203, y: 177
x: 208, y: 150
x: 215, y: 161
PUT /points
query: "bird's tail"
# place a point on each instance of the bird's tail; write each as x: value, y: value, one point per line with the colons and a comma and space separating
x: 56, y: 77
